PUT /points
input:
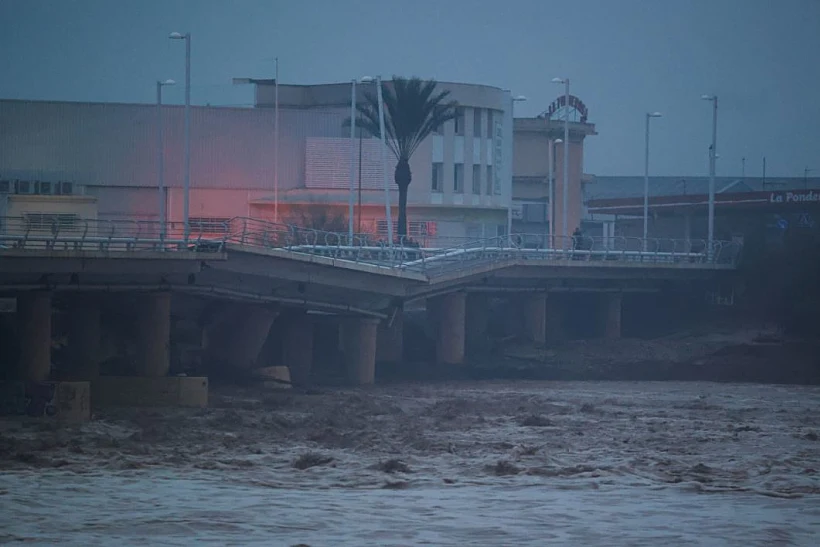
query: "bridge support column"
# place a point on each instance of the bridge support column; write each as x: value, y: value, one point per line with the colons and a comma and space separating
x: 390, y: 339
x: 154, y: 334
x: 612, y: 315
x: 34, y: 327
x: 554, y: 320
x: 449, y: 313
x: 536, y: 317
x: 237, y: 336
x: 297, y: 347
x: 358, y: 340
x: 478, y: 322
x: 84, y: 338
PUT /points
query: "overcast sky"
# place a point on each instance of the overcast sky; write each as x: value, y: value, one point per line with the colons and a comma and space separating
x: 624, y: 57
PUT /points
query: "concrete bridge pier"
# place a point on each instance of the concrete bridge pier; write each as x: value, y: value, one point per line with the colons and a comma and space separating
x: 358, y: 342
x: 556, y: 331
x: 236, y: 337
x: 478, y: 323
x: 84, y: 336
x: 153, y: 334
x: 297, y: 346
x: 34, y: 328
x: 390, y: 339
x: 612, y: 315
x: 449, y: 318
x: 536, y: 317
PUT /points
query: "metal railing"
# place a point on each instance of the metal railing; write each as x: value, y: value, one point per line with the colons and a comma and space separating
x: 71, y: 234
x: 405, y: 253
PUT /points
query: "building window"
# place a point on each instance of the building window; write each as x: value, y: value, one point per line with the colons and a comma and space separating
x: 458, y: 121
x: 489, y: 132
x: 438, y: 177
x: 477, y: 179
x: 476, y: 122
x: 458, y: 178
x: 489, y: 180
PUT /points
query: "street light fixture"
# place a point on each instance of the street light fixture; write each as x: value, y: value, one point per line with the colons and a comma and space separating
x: 551, y: 191
x: 564, y: 231
x: 516, y: 99
x: 712, y: 162
x: 161, y: 159
x: 649, y: 116
x: 387, y: 212
x: 239, y: 81
x: 187, y: 182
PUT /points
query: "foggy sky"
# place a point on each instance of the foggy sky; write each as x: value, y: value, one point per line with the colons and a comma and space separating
x: 624, y: 58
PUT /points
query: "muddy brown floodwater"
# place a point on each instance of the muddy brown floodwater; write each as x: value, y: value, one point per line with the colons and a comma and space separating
x: 489, y: 463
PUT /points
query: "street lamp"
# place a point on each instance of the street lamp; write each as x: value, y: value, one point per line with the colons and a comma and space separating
x: 806, y: 172
x: 712, y: 161
x: 351, y: 199
x: 161, y: 159
x: 187, y: 182
x: 516, y: 99
x: 649, y: 116
x: 387, y: 212
x: 551, y: 190
x: 564, y: 230
x: 255, y: 81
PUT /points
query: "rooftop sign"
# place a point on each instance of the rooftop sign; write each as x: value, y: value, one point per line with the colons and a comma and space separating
x: 575, y: 104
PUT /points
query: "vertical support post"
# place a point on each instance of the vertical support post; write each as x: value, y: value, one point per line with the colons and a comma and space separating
x: 298, y: 348
x: 390, y: 343
x: 34, y: 327
x: 450, y: 312
x: 536, y: 319
x: 359, y: 346
x: 276, y: 142
x: 388, y: 213
x: 350, y: 197
x: 154, y: 334
x: 84, y: 338
x: 614, y: 303
x: 187, y: 190
x: 565, y: 203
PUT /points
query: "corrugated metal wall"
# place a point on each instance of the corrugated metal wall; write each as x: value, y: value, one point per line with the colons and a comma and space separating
x: 99, y: 144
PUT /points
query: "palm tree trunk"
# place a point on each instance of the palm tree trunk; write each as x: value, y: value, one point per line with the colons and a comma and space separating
x: 402, y: 227
x: 402, y: 176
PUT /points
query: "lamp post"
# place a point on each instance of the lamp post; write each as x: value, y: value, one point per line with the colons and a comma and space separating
x: 388, y: 214
x: 238, y: 81
x: 565, y: 191
x: 551, y: 191
x: 187, y: 181
x: 649, y: 116
x: 712, y: 162
x: 276, y: 141
x: 350, y: 199
x: 161, y: 159
x: 516, y: 99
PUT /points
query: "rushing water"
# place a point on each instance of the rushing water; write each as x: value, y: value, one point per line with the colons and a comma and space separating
x: 486, y: 464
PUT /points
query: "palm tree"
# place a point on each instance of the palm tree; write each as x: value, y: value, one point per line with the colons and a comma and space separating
x: 413, y: 110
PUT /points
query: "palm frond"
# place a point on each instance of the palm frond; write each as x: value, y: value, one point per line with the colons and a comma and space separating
x: 413, y: 109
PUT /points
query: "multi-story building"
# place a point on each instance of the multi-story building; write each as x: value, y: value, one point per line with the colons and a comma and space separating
x: 64, y: 161
x: 538, y: 149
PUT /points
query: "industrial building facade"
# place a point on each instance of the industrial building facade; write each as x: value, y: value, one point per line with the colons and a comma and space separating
x: 474, y: 178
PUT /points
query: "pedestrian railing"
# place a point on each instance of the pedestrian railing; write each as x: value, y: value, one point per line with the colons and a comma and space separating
x: 70, y: 234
